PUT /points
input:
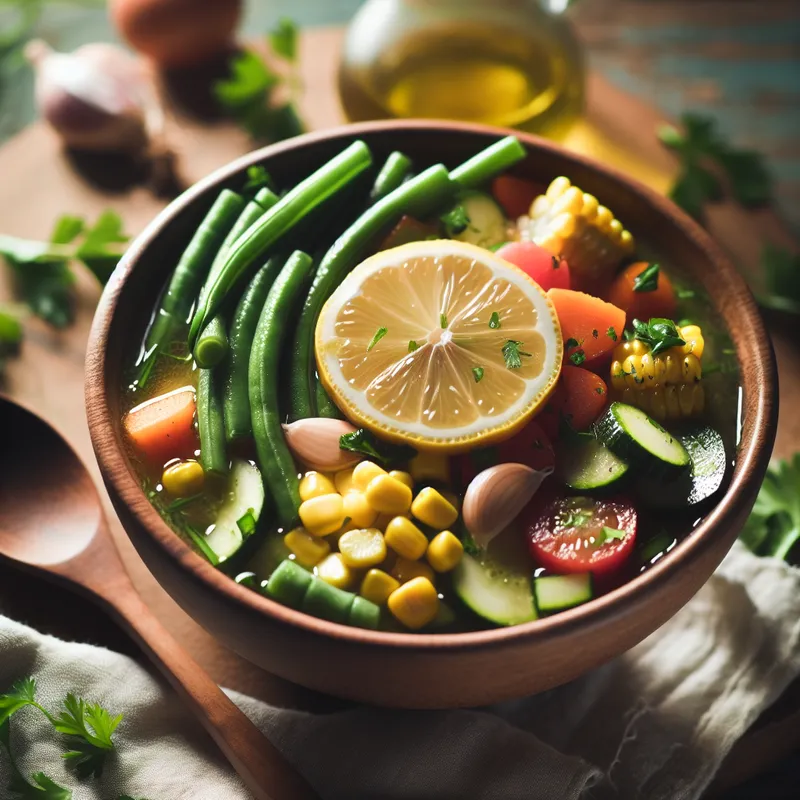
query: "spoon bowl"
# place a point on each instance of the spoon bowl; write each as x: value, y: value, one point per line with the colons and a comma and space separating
x: 51, y: 522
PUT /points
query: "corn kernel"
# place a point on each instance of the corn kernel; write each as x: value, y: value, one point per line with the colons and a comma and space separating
x: 359, y: 510
x: 322, y: 515
x: 183, y: 479
x: 406, y: 570
x: 403, y: 477
x: 364, y: 472
x: 406, y: 539
x: 444, y: 551
x: 315, y: 484
x: 343, y: 481
x: 431, y: 508
x: 388, y: 496
x: 362, y: 548
x: 415, y: 603
x: 377, y: 586
x: 308, y: 550
x: 430, y: 467
x: 334, y: 571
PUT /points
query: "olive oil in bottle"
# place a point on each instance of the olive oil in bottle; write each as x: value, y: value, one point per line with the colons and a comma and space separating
x: 501, y: 62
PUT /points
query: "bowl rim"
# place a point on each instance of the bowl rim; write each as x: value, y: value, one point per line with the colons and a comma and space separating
x: 753, y: 451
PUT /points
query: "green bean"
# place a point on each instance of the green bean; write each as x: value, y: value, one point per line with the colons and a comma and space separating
x: 392, y: 174
x: 281, y: 218
x: 489, y: 162
x: 236, y: 402
x: 212, y: 344
x: 274, y: 458
x: 325, y: 406
x: 176, y: 302
x: 210, y: 424
x: 420, y: 196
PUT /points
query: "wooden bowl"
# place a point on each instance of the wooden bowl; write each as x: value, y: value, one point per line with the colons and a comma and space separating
x: 428, y: 670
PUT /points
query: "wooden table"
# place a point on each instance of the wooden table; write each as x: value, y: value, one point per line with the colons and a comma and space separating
x: 39, y: 184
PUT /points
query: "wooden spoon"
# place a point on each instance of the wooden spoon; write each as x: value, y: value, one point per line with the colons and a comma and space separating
x: 52, y: 524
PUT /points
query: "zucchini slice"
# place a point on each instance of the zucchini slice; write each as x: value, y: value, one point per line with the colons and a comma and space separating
x: 638, y: 439
x: 496, y: 583
x: 703, y: 478
x: 237, y: 516
x: 555, y: 593
x: 586, y: 465
x: 487, y: 223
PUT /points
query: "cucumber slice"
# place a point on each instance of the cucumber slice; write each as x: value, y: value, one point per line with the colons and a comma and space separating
x: 703, y: 479
x: 240, y: 510
x: 555, y: 593
x: 496, y: 584
x: 586, y: 465
x: 487, y: 223
x: 638, y: 439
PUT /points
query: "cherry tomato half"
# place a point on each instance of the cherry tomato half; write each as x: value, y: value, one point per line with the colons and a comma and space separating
x: 530, y: 447
x: 549, y: 272
x: 582, y: 534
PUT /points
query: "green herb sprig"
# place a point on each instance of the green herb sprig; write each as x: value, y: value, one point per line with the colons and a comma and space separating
x: 367, y: 444
x: 647, y: 279
x: 512, y: 354
x: 248, y: 94
x: 659, y: 334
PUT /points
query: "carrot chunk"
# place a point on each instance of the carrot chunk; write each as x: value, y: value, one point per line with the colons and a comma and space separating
x: 585, y: 396
x: 590, y: 326
x: 162, y: 428
x: 659, y: 301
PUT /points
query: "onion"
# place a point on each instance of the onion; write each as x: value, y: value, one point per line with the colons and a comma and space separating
x: 97, y: 98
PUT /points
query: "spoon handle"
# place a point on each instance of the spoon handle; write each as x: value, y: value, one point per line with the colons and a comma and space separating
x: 261, y: 767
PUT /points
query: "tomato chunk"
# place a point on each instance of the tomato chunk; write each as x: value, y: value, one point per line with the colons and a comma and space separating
x: 585, y: 396
x: 531, y: 446
x: 163, y: 428
x: 582, y: 534
x: 659, y: 301
x: 548, y: 271
x: 515, y: 195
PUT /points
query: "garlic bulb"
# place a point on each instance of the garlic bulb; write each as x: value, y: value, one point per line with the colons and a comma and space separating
x: 315, y: 442
x: 495, y: 497
x: 97, y: 98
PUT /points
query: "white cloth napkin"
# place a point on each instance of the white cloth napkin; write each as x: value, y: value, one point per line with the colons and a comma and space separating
x: 653, y: 724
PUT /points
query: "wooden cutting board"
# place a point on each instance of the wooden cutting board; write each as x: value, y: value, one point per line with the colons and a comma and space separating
x: 40, y: 183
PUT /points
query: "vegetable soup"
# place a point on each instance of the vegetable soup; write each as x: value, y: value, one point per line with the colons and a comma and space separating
x: 466, y: 401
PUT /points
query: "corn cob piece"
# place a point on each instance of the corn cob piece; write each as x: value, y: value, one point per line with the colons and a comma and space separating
x: 572, y: 224
x: 668, y: 385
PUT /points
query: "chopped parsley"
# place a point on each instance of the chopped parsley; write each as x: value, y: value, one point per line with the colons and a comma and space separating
x: 608, y: 534
x: 247, y: 523
x: 647, y: 279
x: 611, y: 333
x: 379, y: 334
x: 600, y: 390
x: 578, y: 357
x: 412, y: 346
x: 366, y: 444
x: 494, y: 321
x: 570, y: 343
x: 595, y: 333
x: 660, y: 334
x: 455, y: 221
x: 477, y: 373
x: 512, y: 354
x: 577, y: 519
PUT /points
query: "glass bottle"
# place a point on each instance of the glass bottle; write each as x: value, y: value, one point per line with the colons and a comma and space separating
x: 514, y: 63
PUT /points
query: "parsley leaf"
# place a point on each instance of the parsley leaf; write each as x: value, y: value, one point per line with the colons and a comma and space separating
x: 773, y: 527
x: 647, y: 279
x: 283, y: 39
x: 608, y: 534
x: 21, y: 694
x: 257, y: 178
x: 512, y: 354
x: 578, y: 357
x: 571, y: 342
x: 611, y: 333
x: 89, y: 729
x: 365, y: 443
x: 455, y: 221
x: 576, y: 519
x: 477, y: 373
x: 494, y: 321
x: 412, y: 346
x: 379, y: 334
x: 659, y: 334
x: 42, y: 788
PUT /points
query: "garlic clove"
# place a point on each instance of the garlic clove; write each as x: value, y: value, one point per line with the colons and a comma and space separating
x: 315, y: 442
x: 495, y: 497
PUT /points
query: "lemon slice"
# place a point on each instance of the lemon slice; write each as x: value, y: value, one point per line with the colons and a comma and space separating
x: 414, y: 346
